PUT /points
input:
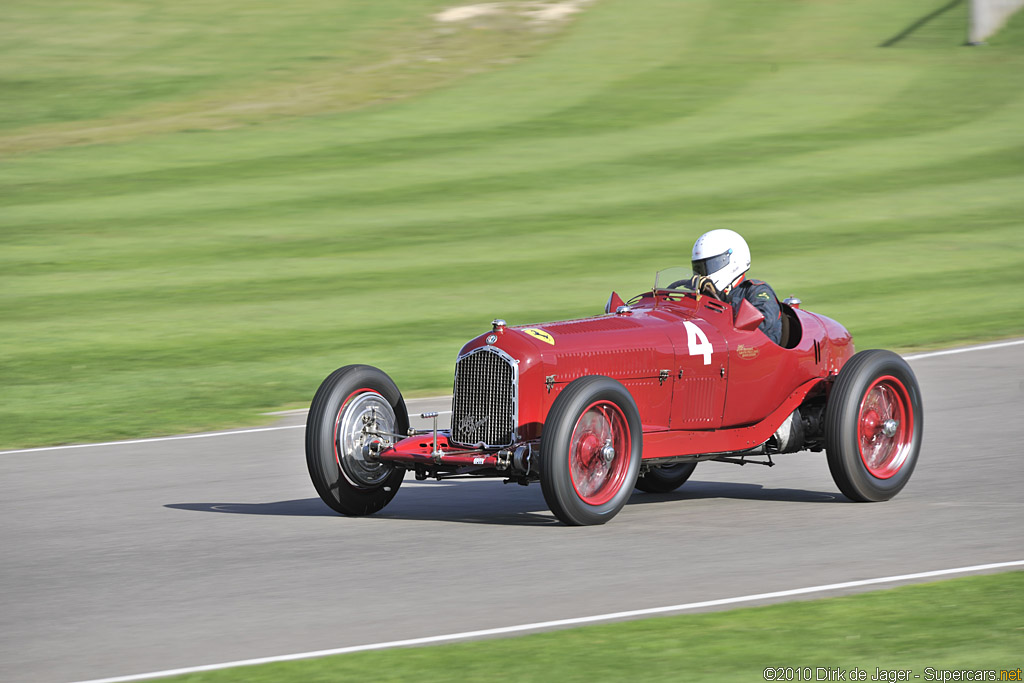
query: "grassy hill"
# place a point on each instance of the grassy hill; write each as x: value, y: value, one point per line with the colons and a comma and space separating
x: 207, y: 207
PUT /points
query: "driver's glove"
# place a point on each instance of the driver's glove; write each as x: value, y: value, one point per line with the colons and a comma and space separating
x: 704, y: 285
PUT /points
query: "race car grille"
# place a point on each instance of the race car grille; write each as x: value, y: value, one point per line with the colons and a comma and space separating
x: 484, y: 401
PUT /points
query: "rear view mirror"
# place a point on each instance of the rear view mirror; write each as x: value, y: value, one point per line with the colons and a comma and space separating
x: 614, y: 301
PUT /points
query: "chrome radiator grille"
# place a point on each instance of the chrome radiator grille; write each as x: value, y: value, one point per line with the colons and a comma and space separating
x: 484, y: 402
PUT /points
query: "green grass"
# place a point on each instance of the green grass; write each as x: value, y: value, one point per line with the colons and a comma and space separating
x: 207, y: 207
x: 970, y: 623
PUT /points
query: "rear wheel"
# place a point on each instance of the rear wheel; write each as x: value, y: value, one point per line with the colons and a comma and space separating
x: 666, y: 478
x: 354, y: 413
x: 873, y: 426
x: 590, y: 451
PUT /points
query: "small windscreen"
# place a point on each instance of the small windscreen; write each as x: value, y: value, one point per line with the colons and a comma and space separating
x: 674, y: 278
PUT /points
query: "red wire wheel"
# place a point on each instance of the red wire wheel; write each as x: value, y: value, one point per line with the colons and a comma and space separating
x: 873, y: 426
x: 885, y: 427
x: 590, y: 450
x: 599, y: 452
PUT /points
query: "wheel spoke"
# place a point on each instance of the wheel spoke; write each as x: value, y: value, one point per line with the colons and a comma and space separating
x: 596, y: 478
x: 606, y: 424
x: 886, y: 403
x: 885, y: 400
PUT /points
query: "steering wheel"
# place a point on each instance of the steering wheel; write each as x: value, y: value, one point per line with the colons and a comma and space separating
x: 704, y: 285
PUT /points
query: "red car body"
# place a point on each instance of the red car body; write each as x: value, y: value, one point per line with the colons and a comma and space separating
x: 726, y: 392
x: 636, y: 397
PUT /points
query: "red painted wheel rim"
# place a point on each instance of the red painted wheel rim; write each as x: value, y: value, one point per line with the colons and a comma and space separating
x: 597, y: 473
x: 885, y: 427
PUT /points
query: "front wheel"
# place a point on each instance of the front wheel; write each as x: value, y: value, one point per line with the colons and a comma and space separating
x: 590, y: 451
x: 873, y: 426
x: 357, y: 412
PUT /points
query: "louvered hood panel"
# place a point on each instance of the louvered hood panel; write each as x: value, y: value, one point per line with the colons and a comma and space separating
x: 623, y: 347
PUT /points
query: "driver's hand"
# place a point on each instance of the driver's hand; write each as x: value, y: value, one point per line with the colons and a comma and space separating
x: 704, y: 285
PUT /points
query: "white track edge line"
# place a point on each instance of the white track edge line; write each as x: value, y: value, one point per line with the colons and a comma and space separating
x: 917, y: 356
x: 950, y: 352
x: 303, y: 411
x: 557, y: 623
x: 157, y: 439
x: 180, y: 437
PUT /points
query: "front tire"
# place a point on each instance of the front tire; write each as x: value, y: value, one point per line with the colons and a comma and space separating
x: 590, y: 451
x: 351, y: 401
x: 873, y: 426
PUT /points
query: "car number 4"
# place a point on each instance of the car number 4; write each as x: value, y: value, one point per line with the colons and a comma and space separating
x: 698, y: 342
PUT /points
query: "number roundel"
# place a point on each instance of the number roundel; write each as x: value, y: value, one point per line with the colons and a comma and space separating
x: 698, y: 342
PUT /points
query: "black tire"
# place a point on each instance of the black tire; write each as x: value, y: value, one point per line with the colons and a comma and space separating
x: 344, y: 478
x: 874, y: 422
x: 666, y: 478
x: 583, y: 483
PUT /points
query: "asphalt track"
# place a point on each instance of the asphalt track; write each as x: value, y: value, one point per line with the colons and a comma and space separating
x: 136, y: 557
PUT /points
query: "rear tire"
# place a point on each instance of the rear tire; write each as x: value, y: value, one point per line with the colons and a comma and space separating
x: 874, y: 422
x: 590, y: 451
x: 666, y: 478
x: 344, y: 474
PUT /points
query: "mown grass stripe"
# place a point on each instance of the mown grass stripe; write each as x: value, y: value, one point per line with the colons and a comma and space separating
x: 166, y: 277
x: 250, y: 276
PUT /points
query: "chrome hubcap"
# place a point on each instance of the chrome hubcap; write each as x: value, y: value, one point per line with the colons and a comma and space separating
x: 608, y: 451
x: 358, y: 444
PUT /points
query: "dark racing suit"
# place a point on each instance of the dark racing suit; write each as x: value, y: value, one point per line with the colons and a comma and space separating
x: 763, y: 297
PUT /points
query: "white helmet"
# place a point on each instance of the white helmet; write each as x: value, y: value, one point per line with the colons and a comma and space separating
x: 723, y: 256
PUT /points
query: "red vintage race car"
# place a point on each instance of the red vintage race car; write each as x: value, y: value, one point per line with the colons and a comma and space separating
x: 636, y: 397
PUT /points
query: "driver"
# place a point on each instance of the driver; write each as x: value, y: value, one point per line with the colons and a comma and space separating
x: 721, y: 259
